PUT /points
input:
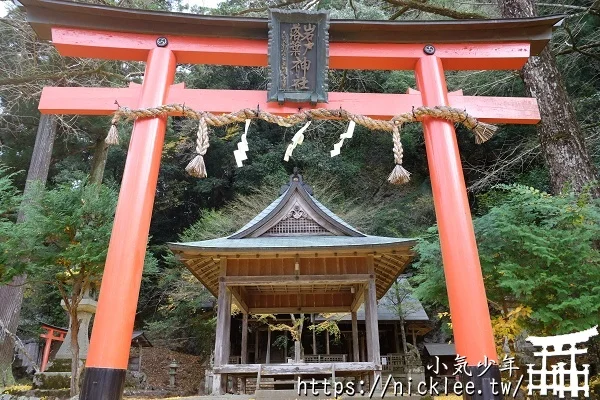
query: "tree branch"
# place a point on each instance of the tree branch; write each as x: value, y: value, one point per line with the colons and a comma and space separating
x: 584, y: 47
x: 265, y: 8
x: 578, y: 49
x: 403, y: 10
x: 353, y: 9
x: 443, y: 11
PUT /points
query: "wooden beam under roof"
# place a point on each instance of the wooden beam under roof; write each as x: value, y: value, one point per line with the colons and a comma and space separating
x: 294, y: 279
x: 296, y: 310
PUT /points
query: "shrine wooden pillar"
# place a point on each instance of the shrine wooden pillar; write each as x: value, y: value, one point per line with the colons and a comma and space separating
x: 222, y: 338
x: 355, y: 349
x: 362, y: 347
x: 372, y: 324
x: 314, y: 335
x: 244, y: 355
x: 268, y: 355
x: 471, y: 322
x: 244, y: 352
x: 108, y: 354
x: 256, y: 343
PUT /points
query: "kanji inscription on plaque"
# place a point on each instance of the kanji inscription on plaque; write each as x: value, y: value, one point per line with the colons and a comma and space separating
x: 298, y: 56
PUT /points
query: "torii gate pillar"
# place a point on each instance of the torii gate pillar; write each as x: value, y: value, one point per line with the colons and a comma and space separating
x: 108, y: 354
x: 469, y: 311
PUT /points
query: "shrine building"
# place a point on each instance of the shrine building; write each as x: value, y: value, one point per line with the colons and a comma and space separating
x: 298, y: 257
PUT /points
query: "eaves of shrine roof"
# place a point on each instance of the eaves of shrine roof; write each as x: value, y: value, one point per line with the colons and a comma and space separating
x: 440, y: 349
x: 45, y: 14
x: 222, y: 246
x: 138, y: 338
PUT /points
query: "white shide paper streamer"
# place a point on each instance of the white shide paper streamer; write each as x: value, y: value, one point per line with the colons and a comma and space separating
x: 296, y: 140
x: 240, y: 153
x: 346, y: 135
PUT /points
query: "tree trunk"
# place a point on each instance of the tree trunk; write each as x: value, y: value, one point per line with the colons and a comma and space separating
x: 74, y: 350
x: 99, y: 161
x: 560, y: 135
x: 11, y: 296
x: 78, y: 290
x: 403, y: 336
x: 298, y: 338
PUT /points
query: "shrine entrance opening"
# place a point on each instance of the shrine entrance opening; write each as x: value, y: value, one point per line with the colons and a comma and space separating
x: 164, y: 40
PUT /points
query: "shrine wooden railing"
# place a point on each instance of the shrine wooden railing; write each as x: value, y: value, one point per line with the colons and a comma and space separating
x: 235, y: 360
x: 324, y: 358
x: 397, y: 362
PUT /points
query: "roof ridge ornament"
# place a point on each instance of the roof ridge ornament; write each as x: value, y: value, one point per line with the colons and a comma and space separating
x: 296, y: 178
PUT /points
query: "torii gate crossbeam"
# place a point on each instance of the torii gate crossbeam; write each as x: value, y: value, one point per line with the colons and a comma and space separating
x: 109, y: 349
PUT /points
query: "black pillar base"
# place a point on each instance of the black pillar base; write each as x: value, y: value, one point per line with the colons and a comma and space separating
x: 103, y: 384
x: 483, y: 388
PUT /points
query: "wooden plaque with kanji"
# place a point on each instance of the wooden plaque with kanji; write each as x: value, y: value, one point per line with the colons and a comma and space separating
x: 298, y: 56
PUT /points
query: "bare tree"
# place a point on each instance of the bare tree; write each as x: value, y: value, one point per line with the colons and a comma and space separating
x: 560, y: 135
x: 400, y: 301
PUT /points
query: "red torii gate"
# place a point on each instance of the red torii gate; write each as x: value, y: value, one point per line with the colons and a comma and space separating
x: 50, y: 336
x: 120, y: 34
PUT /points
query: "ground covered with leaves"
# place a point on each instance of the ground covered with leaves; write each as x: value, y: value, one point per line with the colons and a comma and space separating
x: 155, y: 364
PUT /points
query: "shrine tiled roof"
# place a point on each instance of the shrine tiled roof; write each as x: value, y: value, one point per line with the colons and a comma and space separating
x: 328, y: 231
x: 260, y: 215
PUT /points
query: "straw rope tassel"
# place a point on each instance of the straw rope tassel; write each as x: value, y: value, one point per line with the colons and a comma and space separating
x: 399, y: 175
x: 112, y: 138
x: 484, y: 132
x: 196, y: 167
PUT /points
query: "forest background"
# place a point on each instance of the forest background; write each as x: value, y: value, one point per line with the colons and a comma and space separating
x: 534, y: 202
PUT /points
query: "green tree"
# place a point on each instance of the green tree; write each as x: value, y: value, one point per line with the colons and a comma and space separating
x: 538, y: 252
x: 63, y: 242
x: 9, y: 202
